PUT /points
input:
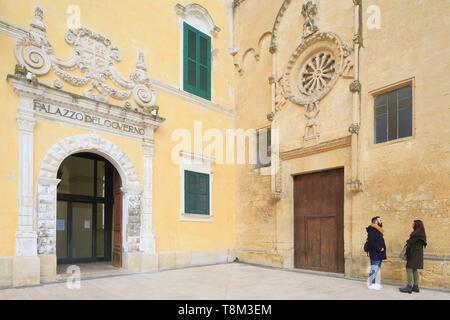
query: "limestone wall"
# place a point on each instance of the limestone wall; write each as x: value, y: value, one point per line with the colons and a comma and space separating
x: 402, y: 180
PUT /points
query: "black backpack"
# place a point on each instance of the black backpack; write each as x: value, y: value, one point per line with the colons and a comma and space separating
x: 366, y: 247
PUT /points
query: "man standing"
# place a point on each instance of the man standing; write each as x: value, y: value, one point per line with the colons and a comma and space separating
x: 377, y: 250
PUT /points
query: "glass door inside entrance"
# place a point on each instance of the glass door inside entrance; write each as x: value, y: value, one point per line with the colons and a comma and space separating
x: 84, y: 209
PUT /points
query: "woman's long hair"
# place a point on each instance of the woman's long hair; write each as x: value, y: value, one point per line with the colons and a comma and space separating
x: 418, y: 229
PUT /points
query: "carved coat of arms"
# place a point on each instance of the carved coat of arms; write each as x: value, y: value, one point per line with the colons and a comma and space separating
x: 94, y: 55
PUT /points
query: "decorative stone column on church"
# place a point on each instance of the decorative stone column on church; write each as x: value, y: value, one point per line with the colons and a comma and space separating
x: 26, y: 268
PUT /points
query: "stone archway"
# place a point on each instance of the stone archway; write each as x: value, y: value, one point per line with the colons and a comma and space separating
x: 47, y: 193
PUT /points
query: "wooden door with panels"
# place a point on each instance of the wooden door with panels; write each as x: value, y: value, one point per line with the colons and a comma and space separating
x: 319, y: 221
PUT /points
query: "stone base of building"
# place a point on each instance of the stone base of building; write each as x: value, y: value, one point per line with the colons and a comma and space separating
x: 435, y: 275
x: 26, y: 271
x: 6, y: 267
x: 48, y: 268
x: 261, y: 258
x: 185, y: 259
x: 140, y: 262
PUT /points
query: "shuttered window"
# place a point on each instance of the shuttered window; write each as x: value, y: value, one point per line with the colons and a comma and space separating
x: 197, y: 62
x: 393, y: 115
x: 196, y: 192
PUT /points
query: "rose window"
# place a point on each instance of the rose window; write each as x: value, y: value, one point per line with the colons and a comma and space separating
x: 317, y: 72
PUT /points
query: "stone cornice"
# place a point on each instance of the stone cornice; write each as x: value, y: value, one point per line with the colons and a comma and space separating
x: 16, y: 32
x: 319, y: 148
x: 50, y: 95
x: 192, y: 98
x: 11, y: 31
x: 199, y: 11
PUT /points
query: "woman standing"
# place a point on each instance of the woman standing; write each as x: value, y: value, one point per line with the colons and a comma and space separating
x: 414, y: 256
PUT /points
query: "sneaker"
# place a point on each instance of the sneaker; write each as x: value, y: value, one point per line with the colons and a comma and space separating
x: 375, y: 286
x: 378, y: 286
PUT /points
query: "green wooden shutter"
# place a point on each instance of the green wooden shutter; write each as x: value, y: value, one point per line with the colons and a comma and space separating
x: 190, y: 184
x: 196, y: 192
x: 203, y: 194
x: 196, y: 62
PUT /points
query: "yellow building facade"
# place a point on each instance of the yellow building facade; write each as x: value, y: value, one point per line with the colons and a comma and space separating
x: 91, y: 90
x: 115, y: 139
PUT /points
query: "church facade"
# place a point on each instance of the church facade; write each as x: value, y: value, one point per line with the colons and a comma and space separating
x: 117, y: 122
x: 359, y: 102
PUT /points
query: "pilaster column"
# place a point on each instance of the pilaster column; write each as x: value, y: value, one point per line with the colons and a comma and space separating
x: 147, y: 235
x: 26, y: 239
x: 131, y: 197
x: 46, y: 215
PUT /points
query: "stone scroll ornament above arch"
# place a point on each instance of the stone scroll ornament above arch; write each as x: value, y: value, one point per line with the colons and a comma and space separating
x: 313, y: 68
x: 47, y: 188
x: 93, y: 55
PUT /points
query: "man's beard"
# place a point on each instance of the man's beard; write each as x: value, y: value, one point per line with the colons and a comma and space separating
x: 380, y: 224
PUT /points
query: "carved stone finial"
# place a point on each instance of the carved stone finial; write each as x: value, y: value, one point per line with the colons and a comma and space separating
x: 20, y: 71
x: 309, y: 11
x: 39, y: 12
x: 355, y: 86
x: 355, y: 185
x: 354, y: 128
x: 38, y: 20
x: 273, y: 48
x: 141, y: 62
x: 357, y: 39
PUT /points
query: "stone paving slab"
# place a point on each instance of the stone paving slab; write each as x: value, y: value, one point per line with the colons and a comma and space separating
x: 226, y: 281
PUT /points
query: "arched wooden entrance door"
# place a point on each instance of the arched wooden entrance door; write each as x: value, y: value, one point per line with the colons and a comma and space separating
x: 87, y: 217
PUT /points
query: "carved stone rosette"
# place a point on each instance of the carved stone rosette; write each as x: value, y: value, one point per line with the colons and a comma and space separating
x: 315, y: 66
x: 93, y: 55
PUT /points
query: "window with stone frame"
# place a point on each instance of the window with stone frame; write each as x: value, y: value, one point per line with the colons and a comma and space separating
x: 196, y: 62
x: 196, y: 193
x: 393, y: 115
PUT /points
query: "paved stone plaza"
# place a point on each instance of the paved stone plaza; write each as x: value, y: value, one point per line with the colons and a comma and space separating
x: 226, y: 281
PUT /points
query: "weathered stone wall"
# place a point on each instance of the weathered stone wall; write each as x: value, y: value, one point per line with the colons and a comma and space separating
x: 402, y: 180
x: 408, y: 179
x: 255, y: 211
